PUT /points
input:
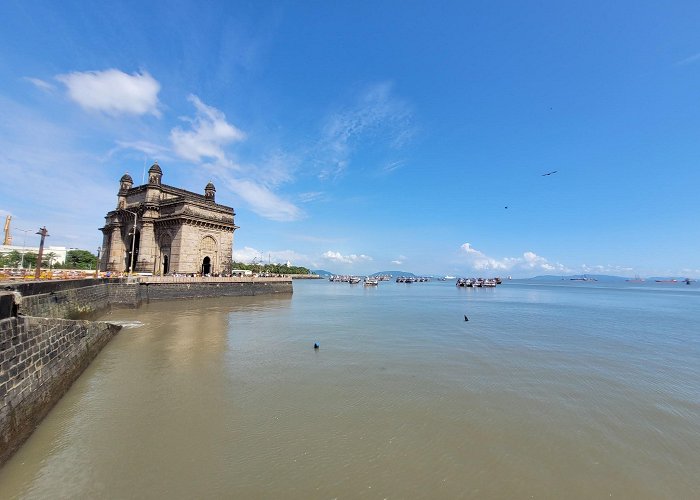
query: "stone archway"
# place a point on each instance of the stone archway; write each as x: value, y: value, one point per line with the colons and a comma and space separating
x: 208, y: 253
x: 165, y: 244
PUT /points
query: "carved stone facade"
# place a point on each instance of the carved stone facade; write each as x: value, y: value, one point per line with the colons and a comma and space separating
x: 177, y: 231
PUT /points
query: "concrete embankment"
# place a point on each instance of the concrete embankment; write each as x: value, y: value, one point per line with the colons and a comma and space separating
x: 46, y: 342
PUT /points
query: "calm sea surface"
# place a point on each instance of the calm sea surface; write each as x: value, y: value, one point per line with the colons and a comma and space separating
x: 559, y: 390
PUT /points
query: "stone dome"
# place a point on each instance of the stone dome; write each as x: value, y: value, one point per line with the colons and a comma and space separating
x: 210, y: 187
x: 155, y: 169
x: 126, y: 178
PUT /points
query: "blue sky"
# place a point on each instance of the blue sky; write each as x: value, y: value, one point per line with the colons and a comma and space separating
x: 366, y: 136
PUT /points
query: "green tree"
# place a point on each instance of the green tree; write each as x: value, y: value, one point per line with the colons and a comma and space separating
x: 48, y: 260
x: 10, y: 259
x: 29, y: 259
x: 80, y: 259
x: 268, y: 268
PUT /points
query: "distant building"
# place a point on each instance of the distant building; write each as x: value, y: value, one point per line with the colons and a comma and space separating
x: 177, y: 231
x: 56, y: 254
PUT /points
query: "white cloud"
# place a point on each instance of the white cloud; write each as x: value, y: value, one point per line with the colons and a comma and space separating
x: 208, y: 135
x: 69, y: 184
x: 40, y: 84
x: 377, y: 116
x: 113, y: 92
x: 249, y: 254
x: 528, y: 261
x: 689, y: 60
x: 262, y: 200
x: 154, y: 151
x: 606, y: 269
x: 205, y: 142
x: 393, y: 166
x: 345, y: 259
x: 311, y: 196
x: 399, y: 260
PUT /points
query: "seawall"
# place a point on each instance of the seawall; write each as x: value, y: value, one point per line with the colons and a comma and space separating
x: 46, y: 342
x: 86, y: 298
x: 39, y: 360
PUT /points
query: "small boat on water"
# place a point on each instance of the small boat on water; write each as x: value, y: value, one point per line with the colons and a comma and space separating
x: 353, y: 280
x: 369, y: 281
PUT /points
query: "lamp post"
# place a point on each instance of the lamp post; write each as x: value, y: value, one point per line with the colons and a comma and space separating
x: 133, y: 243
x: 24, y: 244
x: 44, y: 233
x: 97, y: 263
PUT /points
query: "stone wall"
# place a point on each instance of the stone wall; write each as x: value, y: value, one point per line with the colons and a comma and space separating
x: 201, y: 289
x: 72, y: 299
x: 42, y: 353
x: 39, y: 359
x: 84, y: 299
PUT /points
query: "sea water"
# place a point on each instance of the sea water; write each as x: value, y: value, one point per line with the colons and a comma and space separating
x: 557, y: 390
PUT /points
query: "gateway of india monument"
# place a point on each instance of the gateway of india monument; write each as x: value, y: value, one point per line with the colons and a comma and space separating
x: 176, y: 231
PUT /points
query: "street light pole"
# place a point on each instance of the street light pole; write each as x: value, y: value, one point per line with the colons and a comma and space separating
x: 44, y: 233
x: 97, y: 264
x: 24, y: 244
x: 133, y: 243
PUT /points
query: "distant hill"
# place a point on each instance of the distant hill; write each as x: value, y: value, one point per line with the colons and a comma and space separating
x: 665, y: 278
x: 393, y: 273
x: 322, y: 272
x: 598, y: 277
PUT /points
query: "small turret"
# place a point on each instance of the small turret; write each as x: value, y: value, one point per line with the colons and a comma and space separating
x: 155, y: 174
x: 126, y: 181
x: 209, y: 192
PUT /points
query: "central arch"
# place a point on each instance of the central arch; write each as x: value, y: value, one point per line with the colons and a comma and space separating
x: 208, y: 252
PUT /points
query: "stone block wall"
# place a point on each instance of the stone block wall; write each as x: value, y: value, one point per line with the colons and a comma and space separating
x: 74, y: 303
x: 172, y: 291
x: 39, y: 359
x: 124, y: 294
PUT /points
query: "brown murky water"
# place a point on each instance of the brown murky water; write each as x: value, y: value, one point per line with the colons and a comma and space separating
x: 226, y: 398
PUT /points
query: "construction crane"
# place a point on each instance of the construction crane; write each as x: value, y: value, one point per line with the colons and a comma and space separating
x: 8, y: 236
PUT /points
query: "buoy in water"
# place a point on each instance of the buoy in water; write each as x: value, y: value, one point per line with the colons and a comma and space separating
x: 465, y: 318
x: 316, y: 346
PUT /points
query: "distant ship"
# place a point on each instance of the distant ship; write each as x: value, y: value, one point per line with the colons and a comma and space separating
x: 583, y: 278
x: 667, y: 281
x: 636, y: 279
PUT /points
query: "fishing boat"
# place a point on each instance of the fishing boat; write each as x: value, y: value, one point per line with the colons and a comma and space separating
x: 369, y: 281
x: 353, y: 280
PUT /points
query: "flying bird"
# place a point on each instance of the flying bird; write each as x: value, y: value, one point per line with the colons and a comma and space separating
x: 550, y: 173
